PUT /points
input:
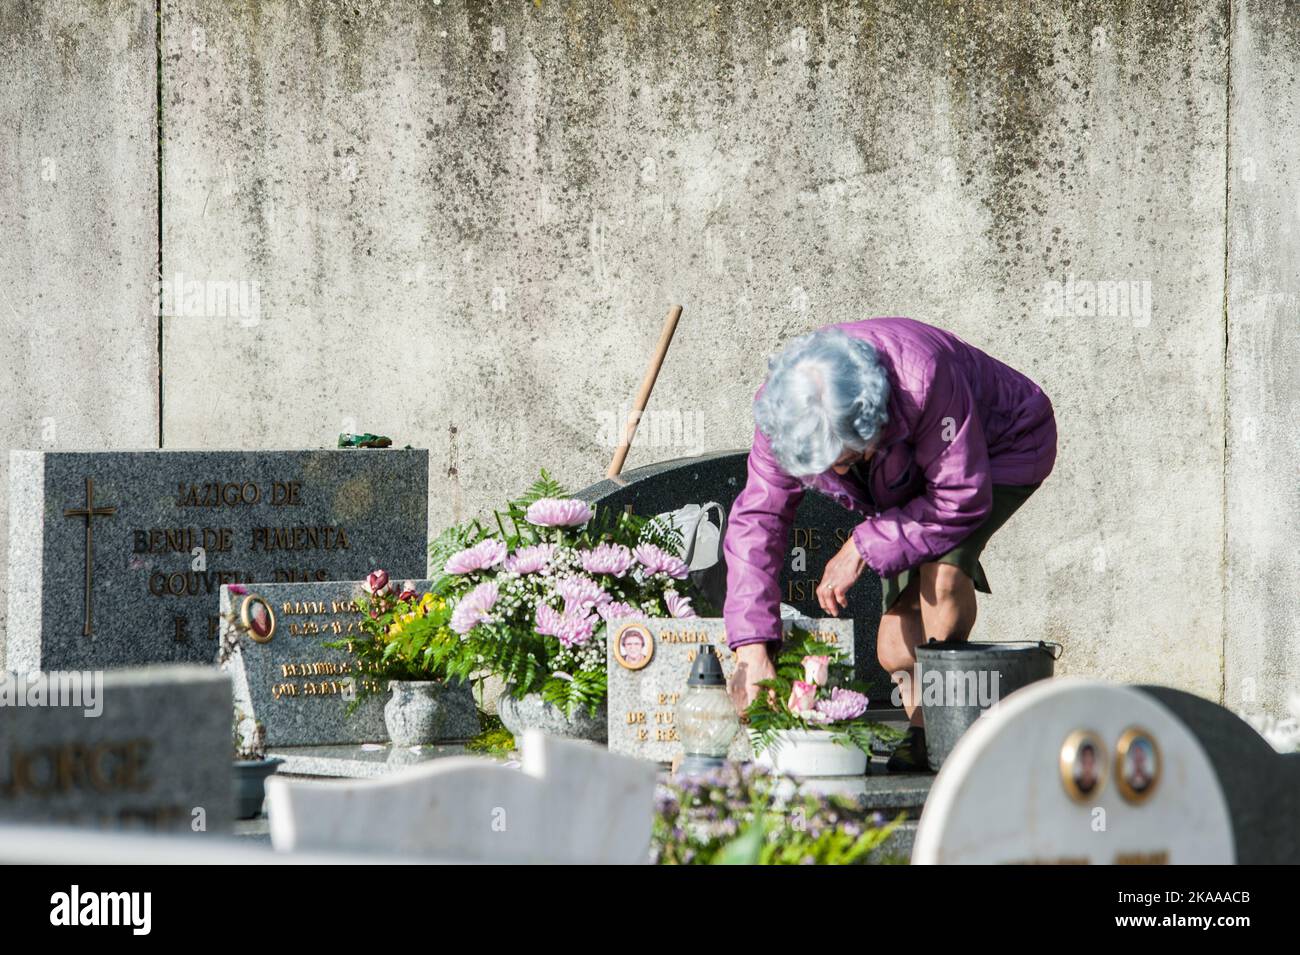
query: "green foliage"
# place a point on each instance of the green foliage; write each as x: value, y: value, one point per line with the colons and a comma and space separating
x: 494, y: 740
x: 734, y: 818
x: 586, y: 689
x: 405, y: 640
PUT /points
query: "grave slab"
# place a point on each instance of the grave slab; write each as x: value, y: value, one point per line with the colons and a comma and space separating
x: 156, y: 757
x: 116, y: 558
x: 568, y: 802
x: 643, y: 693
x: 300, y: 690
x: 1261, y: 785
x: 1071, y: 771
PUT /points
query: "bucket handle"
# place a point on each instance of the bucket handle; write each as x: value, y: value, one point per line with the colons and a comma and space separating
x: 1058, y: 648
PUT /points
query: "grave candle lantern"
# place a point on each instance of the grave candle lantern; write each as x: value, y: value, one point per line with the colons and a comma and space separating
x: 705, y: 717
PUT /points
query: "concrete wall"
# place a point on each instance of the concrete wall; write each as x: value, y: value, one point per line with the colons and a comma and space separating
x: 461, y: 224
x: 78, y: 230
x: 1262, y: 636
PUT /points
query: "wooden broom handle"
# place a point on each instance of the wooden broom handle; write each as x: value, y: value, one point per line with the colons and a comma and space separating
x: 643, y: 393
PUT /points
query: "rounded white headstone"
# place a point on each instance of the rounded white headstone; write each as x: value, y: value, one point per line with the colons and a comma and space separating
x: 1001, y: 798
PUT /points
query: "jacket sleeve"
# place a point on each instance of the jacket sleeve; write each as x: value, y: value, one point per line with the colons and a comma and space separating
x: 757, y: 533
x: 952, y: 454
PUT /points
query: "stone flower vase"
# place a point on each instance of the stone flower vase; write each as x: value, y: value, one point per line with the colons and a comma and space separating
x: 427, y: 711
x: 533, y: 712
x: 812, y: 753
x: 250, y: 785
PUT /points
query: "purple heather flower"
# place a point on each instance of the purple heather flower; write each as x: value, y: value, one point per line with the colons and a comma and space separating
x: 616, y: 609
x: 679, y: 606
x: 558, y: 512
x: 581, y: 594
x: 612, y: 559
x: 530, y: 560
x: 486, y: 553
x: 843, y: 705
x: 473, y: 607
x: 656, y: 560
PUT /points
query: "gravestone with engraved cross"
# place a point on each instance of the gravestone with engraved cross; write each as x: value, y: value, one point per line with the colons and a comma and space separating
x: 116, y: 558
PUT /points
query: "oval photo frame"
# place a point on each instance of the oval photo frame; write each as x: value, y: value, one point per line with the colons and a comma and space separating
x: 1082, y: 764
x: 1138, y: 765
x: 626, y: 657
x: 259, y: 629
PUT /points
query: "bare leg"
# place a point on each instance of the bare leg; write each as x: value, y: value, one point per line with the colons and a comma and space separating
x: 948, y: 604
x: 900, y: 631
x: 939, y: 604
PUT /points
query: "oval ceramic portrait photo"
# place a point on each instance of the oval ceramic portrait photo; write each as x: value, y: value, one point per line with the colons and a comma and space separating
x: 1083, y: 765
x: 257, y: 618
x: 1137, y: 764
x: 633, y: 646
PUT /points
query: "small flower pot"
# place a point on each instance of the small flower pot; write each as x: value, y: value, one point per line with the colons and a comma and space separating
x: 250, y: 785
x: 812, y: 753
x: 533, y: 712
x: 421, y: 712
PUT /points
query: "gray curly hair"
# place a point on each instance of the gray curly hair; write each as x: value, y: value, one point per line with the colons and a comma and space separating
x: 826, y: 393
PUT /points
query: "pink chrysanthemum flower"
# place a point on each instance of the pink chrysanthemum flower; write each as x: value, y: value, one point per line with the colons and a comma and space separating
x: 473, y: 607
x: 486, y: 553
x: 678, y: 605
x: 558, y: 512
x: 548, y: 620
x: 616, y: 609
x: 530, y: 560
x: 656, y: 560
x: 572, y: 629
x: 842, y: 705
x: 581, y: 594
x: 612, y: 559
x: 576, y: 629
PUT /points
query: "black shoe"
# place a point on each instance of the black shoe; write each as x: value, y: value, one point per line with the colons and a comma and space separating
x: 909, y: 755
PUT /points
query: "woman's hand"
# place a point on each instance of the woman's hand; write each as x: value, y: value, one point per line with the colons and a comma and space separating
x: 841, y: 573
x: 753, y: 664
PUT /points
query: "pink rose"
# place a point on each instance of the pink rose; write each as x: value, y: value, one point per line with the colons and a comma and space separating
x: 377, y: 582
x: 801, y: 697
x: 816, y: 669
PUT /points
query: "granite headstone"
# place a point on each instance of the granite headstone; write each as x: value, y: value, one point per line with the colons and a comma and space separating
x: 300, y: 690
x: 648, y: 664
x: 1072, y: 771
x: 147, y: 748
x: 820, y: 528
x: 116, y: 557
x: 1261, y: 785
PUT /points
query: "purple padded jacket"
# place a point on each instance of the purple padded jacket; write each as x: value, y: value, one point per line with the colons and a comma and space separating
x: 959, y: 422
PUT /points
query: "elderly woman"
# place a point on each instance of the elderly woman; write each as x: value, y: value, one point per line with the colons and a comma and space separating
x: 934, y: 443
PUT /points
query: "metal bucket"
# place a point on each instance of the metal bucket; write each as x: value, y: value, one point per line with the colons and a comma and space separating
x: 958, y: 681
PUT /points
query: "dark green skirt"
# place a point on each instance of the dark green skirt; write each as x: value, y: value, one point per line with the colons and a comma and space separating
x: 1007, y: 499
